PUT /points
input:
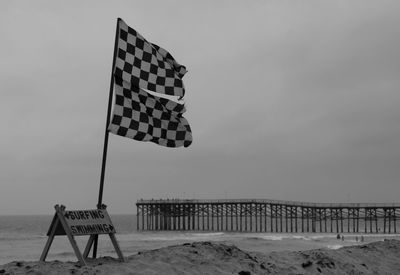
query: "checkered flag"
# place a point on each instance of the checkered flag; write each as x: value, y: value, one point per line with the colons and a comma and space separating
x: 138, y: 114
x: 146, y: 65
x: 144, y: 117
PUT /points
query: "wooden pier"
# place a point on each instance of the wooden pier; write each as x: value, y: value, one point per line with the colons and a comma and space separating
x: 267, y: 216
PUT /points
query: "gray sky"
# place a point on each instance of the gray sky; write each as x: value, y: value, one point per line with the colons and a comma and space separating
x: 288, y: 100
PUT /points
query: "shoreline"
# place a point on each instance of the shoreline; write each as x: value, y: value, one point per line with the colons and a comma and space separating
x: 28, y: 247
x: 207, y: 257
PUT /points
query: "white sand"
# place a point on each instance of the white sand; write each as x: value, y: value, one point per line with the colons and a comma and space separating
x: 381, y: 257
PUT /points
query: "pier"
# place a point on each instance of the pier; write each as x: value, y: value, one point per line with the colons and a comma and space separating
x: 259, y: 215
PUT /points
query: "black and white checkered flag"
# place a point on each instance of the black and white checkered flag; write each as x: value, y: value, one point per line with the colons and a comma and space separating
x: 147, y: 65
x: 138, y: 114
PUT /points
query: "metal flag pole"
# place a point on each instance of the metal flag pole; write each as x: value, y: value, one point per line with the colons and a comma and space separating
x: 103, y: 164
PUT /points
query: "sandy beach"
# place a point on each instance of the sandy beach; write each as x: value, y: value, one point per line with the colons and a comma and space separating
x: 380, y: 257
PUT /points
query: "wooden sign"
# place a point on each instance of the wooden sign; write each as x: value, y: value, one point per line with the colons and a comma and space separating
x: 78, y: 223
x: 85, y: 222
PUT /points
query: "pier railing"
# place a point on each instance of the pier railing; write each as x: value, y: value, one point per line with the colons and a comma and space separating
x: 278, y: 202
x: 262, y: 215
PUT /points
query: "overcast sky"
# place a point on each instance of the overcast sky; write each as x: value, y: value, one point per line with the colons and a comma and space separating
x: 287, y: 100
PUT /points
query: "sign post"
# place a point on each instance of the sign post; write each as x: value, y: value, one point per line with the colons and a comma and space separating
x: 79, y: 223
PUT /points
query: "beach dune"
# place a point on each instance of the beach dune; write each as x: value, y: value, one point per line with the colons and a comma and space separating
x: 220, y: 258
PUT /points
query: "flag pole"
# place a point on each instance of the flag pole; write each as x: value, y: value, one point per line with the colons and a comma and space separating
x: 103, y: 164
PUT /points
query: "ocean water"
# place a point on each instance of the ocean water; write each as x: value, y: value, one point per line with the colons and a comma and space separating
x: 22, y: 238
